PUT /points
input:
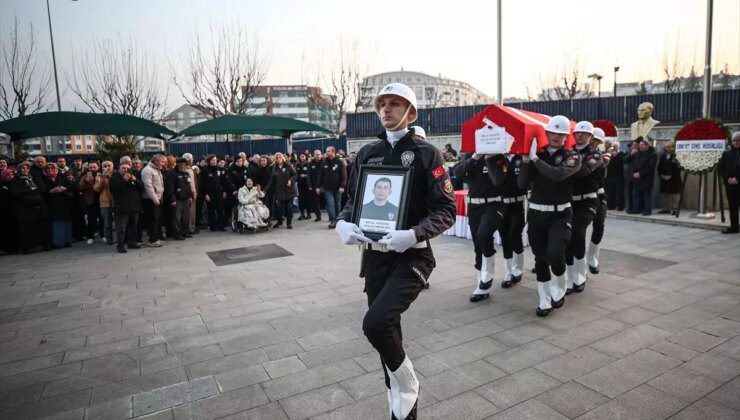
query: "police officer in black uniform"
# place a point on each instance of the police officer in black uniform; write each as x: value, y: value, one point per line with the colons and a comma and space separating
x: 236, y: 176
x: 585, y: 202
x: 512, y: 225
x: 549, y: 215
x: 597, y: 229
x: 484, y: 177
x: 305, y: 192
x: 397, y: 266
x: 179, y: 197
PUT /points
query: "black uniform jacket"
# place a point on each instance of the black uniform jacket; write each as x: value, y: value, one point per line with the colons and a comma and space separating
x: 431, y: 200
x: 551, y: 176
x: 483, y: 176
x: 668, y: 165
x: 333, y: 174
x: 509, y: 188
x: 729, y: 164
x: 586, y: 180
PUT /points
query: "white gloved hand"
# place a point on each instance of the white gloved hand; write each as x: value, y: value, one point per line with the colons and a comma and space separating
x: 399, y: 240
x: 533, y: 149
x: 350, y: 233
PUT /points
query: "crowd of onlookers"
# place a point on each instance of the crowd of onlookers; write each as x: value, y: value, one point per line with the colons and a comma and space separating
x: 46, y: 205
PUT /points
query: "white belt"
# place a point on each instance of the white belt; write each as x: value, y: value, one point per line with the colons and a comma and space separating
x: 510, y: 200
x: 472, y: 200
x: 375, y: 246
x: 585, y: 196
x: 600, y: 191
x: 543, y: 207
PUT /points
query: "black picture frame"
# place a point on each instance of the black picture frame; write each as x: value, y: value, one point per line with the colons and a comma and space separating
x: 376, y: 227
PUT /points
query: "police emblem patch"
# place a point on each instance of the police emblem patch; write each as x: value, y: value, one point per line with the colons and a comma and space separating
x: 558, y: 159
x: 407, y: 157
x: 391, y: 216
x: 448, y: 186
x: 571, y: 161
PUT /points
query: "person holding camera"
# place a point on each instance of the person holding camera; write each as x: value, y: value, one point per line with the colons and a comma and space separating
x: 126, y: 190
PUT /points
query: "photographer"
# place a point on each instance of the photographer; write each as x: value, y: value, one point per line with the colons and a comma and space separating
x: 127, y: 190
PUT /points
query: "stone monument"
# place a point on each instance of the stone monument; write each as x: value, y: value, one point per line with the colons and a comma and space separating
x: 645, y: 122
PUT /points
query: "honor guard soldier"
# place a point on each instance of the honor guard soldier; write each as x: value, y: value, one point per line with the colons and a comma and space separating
x: 597, y: 230
x: 585, y: 205
x: 549, y: 215
x: 484, y: 177
x: 512, y: 224
x: 397, y: 266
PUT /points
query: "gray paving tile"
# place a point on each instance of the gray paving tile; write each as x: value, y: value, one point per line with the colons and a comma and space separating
x: 714, y: 366
x: 515, y: 388
x: 574, y: 364
x: 173, y: 395
x: 272, y: 411
x: 315, y: 402
x: 226, y: 363
x: 674, y: 350
x: 371, y: 408
x: 572, y: 399
x: 239, y: 378
x: 630, y: 340
x: 522, y: 357
x: 289, y: 385
x: 222, y: 405
x: 728, y: 394
x: 530, y: 409
x: 282, y: 367
x: 707, y: 409
x: 586, y: 333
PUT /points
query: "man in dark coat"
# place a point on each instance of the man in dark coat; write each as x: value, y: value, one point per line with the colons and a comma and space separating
x: 670, y: 179
x: 642, y: 163
x: 126, y: 189
x: 30, y: 209
x: 332, y: 183
x: 314, y: 175
x: 729, y: 170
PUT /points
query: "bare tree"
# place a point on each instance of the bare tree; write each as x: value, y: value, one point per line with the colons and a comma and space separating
x: 24, y: 81
x: 566, y: 83
x: 224, y: 79
x: 673, y: 65
x: 345, y: 81
x: 117, y: 78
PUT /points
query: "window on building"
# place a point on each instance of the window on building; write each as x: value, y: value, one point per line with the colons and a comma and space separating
x: 88, y: 138
x: 88, y: 146
x: 192, y: 114
x: 78, y: 146
x: 180, y: 114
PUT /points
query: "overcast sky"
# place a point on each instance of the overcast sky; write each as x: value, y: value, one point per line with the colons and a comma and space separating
x: 454, y: 38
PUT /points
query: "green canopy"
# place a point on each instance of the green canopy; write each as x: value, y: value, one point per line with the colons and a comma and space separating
x: 251, y: 124
x: 70, y: 123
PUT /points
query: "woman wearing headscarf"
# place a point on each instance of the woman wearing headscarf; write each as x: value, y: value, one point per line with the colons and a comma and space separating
x: 30, y: 210
x: 59, y: 189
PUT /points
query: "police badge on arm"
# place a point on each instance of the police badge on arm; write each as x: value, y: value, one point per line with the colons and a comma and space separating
x: 381, y: 199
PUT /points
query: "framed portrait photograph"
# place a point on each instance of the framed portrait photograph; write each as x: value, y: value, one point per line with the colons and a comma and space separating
x: 381, y: 199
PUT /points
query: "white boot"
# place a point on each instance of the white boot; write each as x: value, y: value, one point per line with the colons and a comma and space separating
x: 486, y: 270
x: 579, y: 278
x: 517, y: 267
x: 404, y: 390
x: 557, y: 290
x: 570, y: 275
x: 485, y: 280
x: 508, y: 264
x: 592, y: 257
x: 545, y: 303
x: 390, y: 403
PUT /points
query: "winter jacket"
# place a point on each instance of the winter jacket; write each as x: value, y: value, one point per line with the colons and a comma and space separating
x: 153, y: 182
x: 667, y: 165
x: 729, y: 164
x: 102, y: 187
x: 333, y: 174
x: 126, y: 194
x: 643, y: 163
x: 278, y: 184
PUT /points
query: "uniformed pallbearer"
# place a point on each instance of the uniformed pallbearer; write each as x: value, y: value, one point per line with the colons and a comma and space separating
x: 484, y: 176
x: 397, y: 267
x: 597, y: 231
x: 585, y: 202
x: 549, y: 215
x: 513, y: 223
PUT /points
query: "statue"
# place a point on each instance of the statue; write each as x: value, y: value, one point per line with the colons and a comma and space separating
x: 645, y: 122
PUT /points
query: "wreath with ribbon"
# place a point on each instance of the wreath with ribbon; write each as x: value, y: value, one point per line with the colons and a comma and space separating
x: 700, y: 144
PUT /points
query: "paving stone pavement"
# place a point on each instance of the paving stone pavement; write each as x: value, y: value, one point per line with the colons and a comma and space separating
x: 86, y: 333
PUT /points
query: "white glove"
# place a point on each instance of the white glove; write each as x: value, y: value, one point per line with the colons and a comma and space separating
x: 533, y: 149
x: 350, y: 233
x: 399, y: 240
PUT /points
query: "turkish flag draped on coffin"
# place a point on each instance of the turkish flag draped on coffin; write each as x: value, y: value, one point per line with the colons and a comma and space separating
x: 522, y: 125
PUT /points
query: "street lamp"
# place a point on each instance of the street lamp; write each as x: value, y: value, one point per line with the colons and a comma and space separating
x: 616, y: 69
x: 598, y: 78
x: 53, y: 57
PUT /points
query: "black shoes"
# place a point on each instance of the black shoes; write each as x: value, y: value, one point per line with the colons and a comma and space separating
x: 593, y: 270
x: 289, y: 226
x: 122, y: 250
x: 559, y: 303
x: 332, y: 224
x: 514, y: 280
x: 664, y: 211
x: 317, y: 219
x: 302, y: 217
x: 568, y: 291
x: 730, y: 230
x: 577, y: 289
x: 543, y: 312
x: 277, y: 225
x: 134, y: 246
